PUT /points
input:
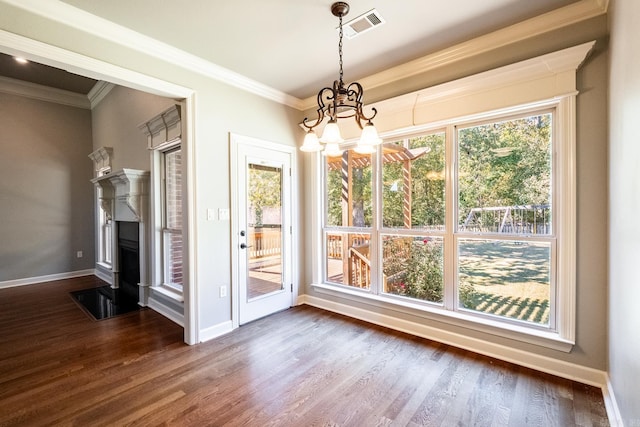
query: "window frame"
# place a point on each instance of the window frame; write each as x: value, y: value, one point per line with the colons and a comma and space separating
x: 159, y: 268
x: 560, y: 334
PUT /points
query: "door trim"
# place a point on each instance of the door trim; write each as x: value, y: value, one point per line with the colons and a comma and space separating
x: 235, y: 141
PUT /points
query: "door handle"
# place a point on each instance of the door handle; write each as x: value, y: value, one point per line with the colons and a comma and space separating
x: 243, y: 246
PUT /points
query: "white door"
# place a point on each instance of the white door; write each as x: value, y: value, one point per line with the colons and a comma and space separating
x: 263, y: 240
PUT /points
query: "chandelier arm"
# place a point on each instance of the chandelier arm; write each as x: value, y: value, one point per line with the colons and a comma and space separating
x: 321, y: 108
x: 354, y: 94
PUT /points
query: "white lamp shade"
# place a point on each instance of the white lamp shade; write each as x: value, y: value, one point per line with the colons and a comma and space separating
x: 369, y: 136
x: 331, y: 133
x: 332, y: 150
x: 311, y: 142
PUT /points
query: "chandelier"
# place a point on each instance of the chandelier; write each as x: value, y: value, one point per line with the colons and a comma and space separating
x: 340, y: 102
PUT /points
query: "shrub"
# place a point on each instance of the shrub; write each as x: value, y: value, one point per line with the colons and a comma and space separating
x: 468, y: 296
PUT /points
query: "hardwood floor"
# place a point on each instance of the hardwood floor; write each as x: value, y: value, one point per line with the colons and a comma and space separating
x: 300, y: 367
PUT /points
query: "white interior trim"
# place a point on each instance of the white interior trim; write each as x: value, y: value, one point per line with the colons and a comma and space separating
x: 166, y: 311
x: 611, y: 404
x: 43, y: 93
x: 216, y: 330
x: 33, y: 50
x: 98, y: 92
x: 541, y: 78
x: 46, y: 278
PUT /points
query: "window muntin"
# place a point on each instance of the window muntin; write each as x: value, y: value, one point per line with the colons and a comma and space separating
x: 172, y: 218
x: 526, y: 141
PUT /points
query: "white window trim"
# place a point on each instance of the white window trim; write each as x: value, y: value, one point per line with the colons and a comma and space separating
x: 157, y: 222
x: 549, y: 80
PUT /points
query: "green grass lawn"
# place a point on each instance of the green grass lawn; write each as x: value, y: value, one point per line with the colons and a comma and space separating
x: 510, y: 279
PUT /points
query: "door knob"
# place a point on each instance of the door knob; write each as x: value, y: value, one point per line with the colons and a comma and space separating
x: 243, y: 246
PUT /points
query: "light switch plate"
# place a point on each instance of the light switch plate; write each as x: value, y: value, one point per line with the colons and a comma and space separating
x: 223, y: 214
x: 211, y: 215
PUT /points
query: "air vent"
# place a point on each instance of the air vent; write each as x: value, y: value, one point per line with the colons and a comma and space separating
x: 363, y: 23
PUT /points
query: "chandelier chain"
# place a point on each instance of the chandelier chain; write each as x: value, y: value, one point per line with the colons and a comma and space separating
x: 340, y: 49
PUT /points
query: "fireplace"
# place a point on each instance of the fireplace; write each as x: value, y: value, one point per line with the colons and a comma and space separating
x: 125, y: 198
x: 129, y: 258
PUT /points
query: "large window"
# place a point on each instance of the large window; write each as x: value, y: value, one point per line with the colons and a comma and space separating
x: 172, y: 218
x: 461, y: 219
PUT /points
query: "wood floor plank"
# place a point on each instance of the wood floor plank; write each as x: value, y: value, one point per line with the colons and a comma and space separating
x: 300, y: 367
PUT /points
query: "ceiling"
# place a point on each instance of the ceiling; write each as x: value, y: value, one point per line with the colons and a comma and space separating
x: 292, y: 45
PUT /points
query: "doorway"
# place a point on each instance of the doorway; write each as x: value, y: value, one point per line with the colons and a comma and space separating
x: 77, y: 63
x: 262, y: 228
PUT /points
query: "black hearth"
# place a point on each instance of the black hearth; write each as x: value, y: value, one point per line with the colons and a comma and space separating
x: 128, y: 259
x: 104, y: 302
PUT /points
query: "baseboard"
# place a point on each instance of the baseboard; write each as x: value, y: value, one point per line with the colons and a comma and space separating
x: 167, y: 312
x: 47, y: 278
x: 610, y: 403
x: 215, y: 331
x: 106, y: 276
x: 549, y: 365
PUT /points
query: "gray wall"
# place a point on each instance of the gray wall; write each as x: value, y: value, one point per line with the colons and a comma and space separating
x: 115, y: 123
x: 624, y: 209
x: 46, y: 199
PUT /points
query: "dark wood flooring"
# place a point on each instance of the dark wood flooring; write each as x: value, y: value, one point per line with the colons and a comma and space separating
x: 300, y: 367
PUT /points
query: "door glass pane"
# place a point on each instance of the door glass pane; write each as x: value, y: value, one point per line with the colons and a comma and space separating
x: 264, y: 226
x: 505, y: 278
x: 504, y: 176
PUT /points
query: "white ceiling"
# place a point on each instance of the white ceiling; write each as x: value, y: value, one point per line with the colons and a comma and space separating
x: 292, y: 45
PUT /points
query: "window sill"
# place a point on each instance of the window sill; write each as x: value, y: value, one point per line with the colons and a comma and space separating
x: 169, y: 292
x: 532, y: 336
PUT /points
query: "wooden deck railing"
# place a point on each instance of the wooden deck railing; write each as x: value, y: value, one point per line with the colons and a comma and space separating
x: 359, y: 267
x: 265, y: 242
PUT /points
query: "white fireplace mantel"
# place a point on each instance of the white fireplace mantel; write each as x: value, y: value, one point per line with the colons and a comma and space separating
x: 125, y: 194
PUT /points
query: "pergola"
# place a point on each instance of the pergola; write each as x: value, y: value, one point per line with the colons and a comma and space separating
x: 357, y: 265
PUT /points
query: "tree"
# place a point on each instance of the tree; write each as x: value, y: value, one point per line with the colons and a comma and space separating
x: 265, y: 186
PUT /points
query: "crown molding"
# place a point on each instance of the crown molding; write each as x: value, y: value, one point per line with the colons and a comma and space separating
x: 34, y: 50
x: 550, y: 21
x: 98, y: 92
x: 102, y: 28
x: 86, y: 22
x: 43, y: 93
